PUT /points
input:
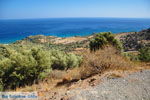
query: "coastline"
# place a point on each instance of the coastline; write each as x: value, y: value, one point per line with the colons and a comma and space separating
x: 86, y: 36
x: 13, y: 30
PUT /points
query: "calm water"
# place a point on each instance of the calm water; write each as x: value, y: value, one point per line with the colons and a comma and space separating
x: 12, y: 30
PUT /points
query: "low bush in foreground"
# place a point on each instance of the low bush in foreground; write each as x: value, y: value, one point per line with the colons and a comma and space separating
x: 25, y: 67
x: 102, y: 60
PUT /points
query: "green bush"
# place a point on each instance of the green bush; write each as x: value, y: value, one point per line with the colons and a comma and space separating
x: 23, y: 68
x: 103, y: 39
x: 61, y: 60
x: 20, y: 67
x: 144, y: 54
x: 73, y: 60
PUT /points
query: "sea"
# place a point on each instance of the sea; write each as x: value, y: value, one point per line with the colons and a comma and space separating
x: 12, y: 30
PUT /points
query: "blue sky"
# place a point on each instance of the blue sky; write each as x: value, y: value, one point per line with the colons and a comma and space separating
x: 14, y: 9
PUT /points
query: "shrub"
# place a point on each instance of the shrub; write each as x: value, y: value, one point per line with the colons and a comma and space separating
x: 73, y: 60
x: 144, y: 54
x: 103, y: 39
x: 25, y: 67
x: 22, y: 67
x: 102, y: 60
x: 61, y: 60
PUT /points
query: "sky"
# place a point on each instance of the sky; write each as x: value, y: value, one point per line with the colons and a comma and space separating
x: 22, y: 9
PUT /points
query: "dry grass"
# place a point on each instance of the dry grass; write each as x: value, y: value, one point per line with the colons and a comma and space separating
x: 101, y: 60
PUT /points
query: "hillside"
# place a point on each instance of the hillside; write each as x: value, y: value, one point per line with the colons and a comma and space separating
x: 132, y: 41
x: 52, y: 42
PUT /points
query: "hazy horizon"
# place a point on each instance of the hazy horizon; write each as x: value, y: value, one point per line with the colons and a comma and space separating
x: 35, y: 9
x: 75, y: 18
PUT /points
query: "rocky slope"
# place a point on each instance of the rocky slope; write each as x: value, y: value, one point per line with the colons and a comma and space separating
x: 135, y: 86
x: 132, y: 87
x: 133, y: 41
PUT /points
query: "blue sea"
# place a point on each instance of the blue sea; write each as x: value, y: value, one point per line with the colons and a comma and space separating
x: 16, y: 29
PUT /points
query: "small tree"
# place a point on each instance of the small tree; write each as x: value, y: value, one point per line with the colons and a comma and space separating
x: 103, y: 39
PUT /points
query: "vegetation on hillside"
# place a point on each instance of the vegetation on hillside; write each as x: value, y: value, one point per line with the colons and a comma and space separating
x: 51, y: 42
x: 136, y: 40
x: 142, y: 54
x: 103, y: 39
x: 27, y: 66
